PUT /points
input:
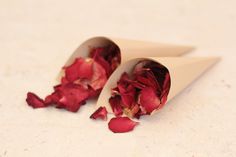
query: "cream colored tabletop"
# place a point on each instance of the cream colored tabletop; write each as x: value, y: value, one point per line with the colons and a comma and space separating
x: 36, y: 38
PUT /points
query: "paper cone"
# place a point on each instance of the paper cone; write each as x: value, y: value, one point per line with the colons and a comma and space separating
x: 130, y: 48
x: 182, y: 71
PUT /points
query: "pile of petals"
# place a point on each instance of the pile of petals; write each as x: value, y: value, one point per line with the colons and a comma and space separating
x: 140, y: 93
x: 83, y: 79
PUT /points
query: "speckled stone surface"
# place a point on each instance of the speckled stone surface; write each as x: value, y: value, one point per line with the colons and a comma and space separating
x: 36, y: 38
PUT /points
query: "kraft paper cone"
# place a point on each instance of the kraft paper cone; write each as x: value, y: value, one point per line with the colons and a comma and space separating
x: 182, y: 71
x: 130, y: 48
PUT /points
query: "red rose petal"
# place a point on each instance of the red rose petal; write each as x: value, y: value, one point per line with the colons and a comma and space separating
x: 121, y: 124
x: 149, y: 100
x: 100, y: 113
x: 99, y: 77
x: 127, y: 96
x: 72, y: 96
x: 34, y: 101
x: 126, y: 90
x: 81, y: 68
x: 116, y: 106
x: 52, y: 99
x: 100, y: 60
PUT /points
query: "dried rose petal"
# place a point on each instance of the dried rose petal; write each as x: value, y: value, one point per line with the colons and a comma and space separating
x: 127, y: 95
x: 72, y: 97
x: 126, y: 90
x: 121, y: 124
x: 116, y: 106
x: 34, y: 101
x: 81, y: 68
x: 96, y: 55
x: 108, y: 57
x: 100, y: 113
x: 149, y: 100
x: 52, y: 99
x: 99, y: 77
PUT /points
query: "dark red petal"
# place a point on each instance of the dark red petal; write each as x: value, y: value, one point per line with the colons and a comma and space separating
x: 52, y: 99
x: 34, y: 101
x: 81, y: 68
x: 109, y: 55
x: 96, y: 52
x: 149, y: 100
x: 115, y: 91
x: 127, y: 95
x: 72, y: 97
x: 121, y: 124
x: 100, y: 60
x: 64, y: 81
x: 100, y: 113
x: 93, y: 93
x: 116, y: 106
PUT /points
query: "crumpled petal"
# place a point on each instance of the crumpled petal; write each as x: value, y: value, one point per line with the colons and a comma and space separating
x: 121, y: 124
x: 81, y: 68
x: 52, y: 98
x: 149, y: 100
x: 116, y: 106
x: 99, y: 77
x: 72, y: 97
x: 100, y: 113
x: 126, y: 90
x: 34, y: 101
x: 108, y: 57
x: 96, y: 54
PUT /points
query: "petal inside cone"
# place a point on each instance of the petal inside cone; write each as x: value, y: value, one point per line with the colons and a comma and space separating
x: 143, y: 90
x: 149, y: 100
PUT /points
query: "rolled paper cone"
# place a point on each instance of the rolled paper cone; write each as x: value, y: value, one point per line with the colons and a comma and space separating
x: 182, y: 72
x: 129, y: 49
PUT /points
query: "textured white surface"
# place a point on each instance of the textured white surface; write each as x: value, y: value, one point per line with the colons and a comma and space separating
x: 36, y: 38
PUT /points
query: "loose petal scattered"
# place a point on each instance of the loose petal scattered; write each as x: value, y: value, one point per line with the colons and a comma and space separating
x: 121, y: 124
x: 34, y: 101
x: 100, y: 113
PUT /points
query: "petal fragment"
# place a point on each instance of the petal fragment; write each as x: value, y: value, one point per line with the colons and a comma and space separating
x: 34, y: 101
x: 100, y: 113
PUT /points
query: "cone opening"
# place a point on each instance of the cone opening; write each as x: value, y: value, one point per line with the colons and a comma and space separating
x: 142, y: 90
x: 111, y: 52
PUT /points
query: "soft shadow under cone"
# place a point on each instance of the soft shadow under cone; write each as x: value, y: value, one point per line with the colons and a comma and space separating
x: 183, y: 71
